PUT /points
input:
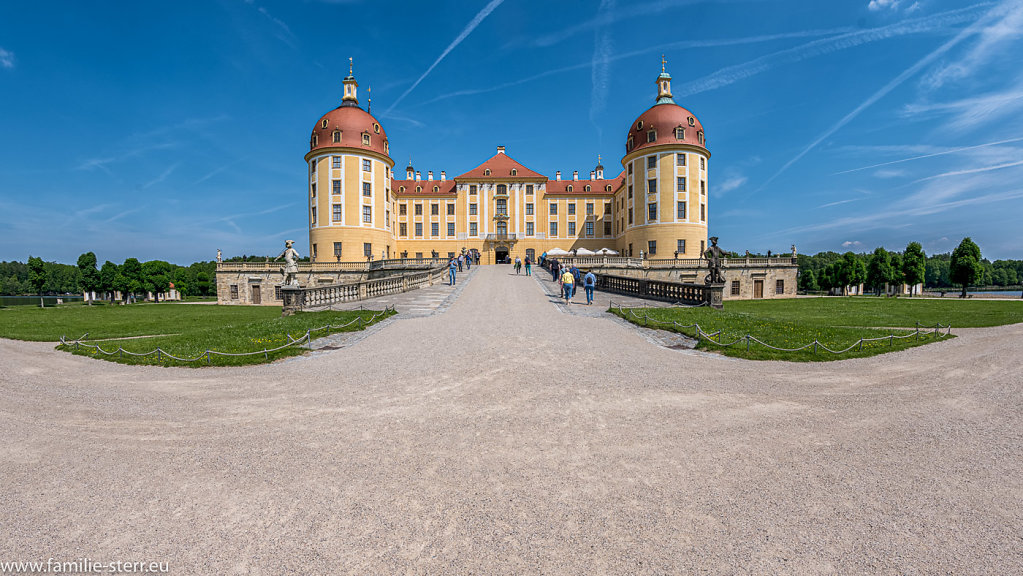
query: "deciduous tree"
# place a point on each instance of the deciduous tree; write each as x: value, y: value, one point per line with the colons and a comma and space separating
x: 965, y: 267
x: 37, y: 275
x: 913, y: 265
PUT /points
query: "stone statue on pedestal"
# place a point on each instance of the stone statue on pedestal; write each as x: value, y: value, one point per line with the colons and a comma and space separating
x: 713, y: 256
x: 290, y: 269
x: 219, y: 258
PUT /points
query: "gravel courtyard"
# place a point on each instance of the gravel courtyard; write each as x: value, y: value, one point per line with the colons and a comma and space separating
x: 503, y: 436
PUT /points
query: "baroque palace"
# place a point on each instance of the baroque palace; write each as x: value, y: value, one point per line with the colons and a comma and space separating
x: 655, y: 204
x: 653, y: 210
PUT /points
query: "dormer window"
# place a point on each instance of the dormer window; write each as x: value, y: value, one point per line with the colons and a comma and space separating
x: 651, y: 136
x: 586, y: 188
x: 324, y: 123
x: 639, y: 125
x: 315, y: 140
x: 568, y: 188
x: 515, y: 172
x: 486, y: 172
x: 680, y: 133
x: 365, y: 139
x: 401, y: 189
x: 337, y: 136
x: 692, y: 121
x: 387, y: 147
x: 628, y: 147
x: 376, y: 128
x: 699, y: 136
x: 419, y: 189
x: 607, y: 188
x: 436, y: 188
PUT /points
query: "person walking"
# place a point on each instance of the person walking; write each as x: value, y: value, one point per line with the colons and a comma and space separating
x: 529, y: 267
x: 568, y: 286
x: 518, y: 265
x: 576, y: 276
x: 461, y: 259
x: 589, y: 283
x: 452, y: 268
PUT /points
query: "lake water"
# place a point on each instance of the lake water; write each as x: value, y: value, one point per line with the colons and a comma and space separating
x: 997, y: 293
x: 34, y: 300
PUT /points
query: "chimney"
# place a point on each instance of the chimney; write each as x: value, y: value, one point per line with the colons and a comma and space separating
x: 443, y: 176
x: 417, y: 174
x: 593, y: 175
x: 429, y: 175
x: 557, y: 175
x: 500, y: 149
x: 575, y: 174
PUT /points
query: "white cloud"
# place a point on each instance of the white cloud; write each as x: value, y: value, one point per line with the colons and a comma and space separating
x: 993, y: 38
x: 6, y: 59
x: 851, y: 243
x: 731, y: 183
x: 889, y: 173
x: 600, y: 65
x: 878, y: 5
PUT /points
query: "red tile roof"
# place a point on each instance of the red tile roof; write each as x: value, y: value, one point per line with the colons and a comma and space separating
x: 353, y: 122
x: 597, y: 187
x: 444, y: 187
x: 501, y: 166
x: 663, y: 119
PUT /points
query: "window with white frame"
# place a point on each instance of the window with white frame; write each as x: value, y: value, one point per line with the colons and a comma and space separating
x: 367, y: 214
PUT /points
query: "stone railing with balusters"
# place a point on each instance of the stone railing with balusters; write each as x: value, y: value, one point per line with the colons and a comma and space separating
x: 296, y: 298
x: 694, y: 263
x: 364, y: 266
x: 676, y: 292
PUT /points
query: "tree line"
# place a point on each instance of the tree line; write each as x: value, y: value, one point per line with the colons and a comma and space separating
x: 963, y: 267
x: 130, y: 278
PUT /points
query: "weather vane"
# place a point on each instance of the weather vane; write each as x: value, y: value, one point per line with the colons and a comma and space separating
x: 349, y: 65
x: 663, y: 62
x: 369, y: 97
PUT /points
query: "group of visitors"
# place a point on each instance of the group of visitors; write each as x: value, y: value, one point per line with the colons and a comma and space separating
x: 528, y: 262
x: 456, y: 263
x: 569, y: 278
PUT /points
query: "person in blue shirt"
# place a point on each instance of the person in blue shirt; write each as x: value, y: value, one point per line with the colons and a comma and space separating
x: 589, y: 283
x: 452, y: 268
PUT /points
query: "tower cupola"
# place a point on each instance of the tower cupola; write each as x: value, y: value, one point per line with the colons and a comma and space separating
x: 664, y: 85
x: 351, y: 97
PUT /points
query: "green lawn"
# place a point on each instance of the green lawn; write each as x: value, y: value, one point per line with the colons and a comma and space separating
x: 182, y: 330
x: 835, y: 322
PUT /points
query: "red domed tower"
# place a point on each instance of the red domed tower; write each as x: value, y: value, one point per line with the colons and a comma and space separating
x: 350, y: 199
x: 665, y: 194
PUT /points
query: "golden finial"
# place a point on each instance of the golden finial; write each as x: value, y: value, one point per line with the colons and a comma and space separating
x: 663, y: 62
x: 349, y: 65
x: 369, y: 98
x: 598, y: 159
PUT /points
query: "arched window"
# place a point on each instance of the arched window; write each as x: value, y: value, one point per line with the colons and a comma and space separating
x: 486, y: 172
x: 515, y: 172
x: 324, y: 123
x: 401, y: 188
x: 699, y: 136
x: 639, y: 125
x: 680, y: 133
x: 337, y: 136
x: 692, y: 121
x: 376, y: 128
x: 651, y: 136
x: 587, y: 188
x: 607, y: 188
x: 568, y: 188
x: 419, y: 188
x: 436, y: 188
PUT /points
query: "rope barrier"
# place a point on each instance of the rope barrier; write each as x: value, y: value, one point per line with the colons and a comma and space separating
x: 160, y: 352
x: 816, y: 344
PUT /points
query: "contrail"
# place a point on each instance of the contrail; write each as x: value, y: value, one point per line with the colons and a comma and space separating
x: 895, y: 82
x: 953, y: 151
x: 465, y: 33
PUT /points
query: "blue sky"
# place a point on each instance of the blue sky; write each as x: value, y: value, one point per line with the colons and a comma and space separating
x: 170, y: 130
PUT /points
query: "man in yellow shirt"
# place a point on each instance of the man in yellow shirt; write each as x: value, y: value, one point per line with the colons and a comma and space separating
x: 568, y: 286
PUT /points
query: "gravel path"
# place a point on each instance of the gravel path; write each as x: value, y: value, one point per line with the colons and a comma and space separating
x: 505, y: 437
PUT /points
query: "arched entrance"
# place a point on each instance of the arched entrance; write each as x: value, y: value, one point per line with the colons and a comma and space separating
x: 500, y: 254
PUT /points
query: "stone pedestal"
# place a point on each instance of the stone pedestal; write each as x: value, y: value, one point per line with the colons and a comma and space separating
x: 294, y: 299
x: 717, y: 295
